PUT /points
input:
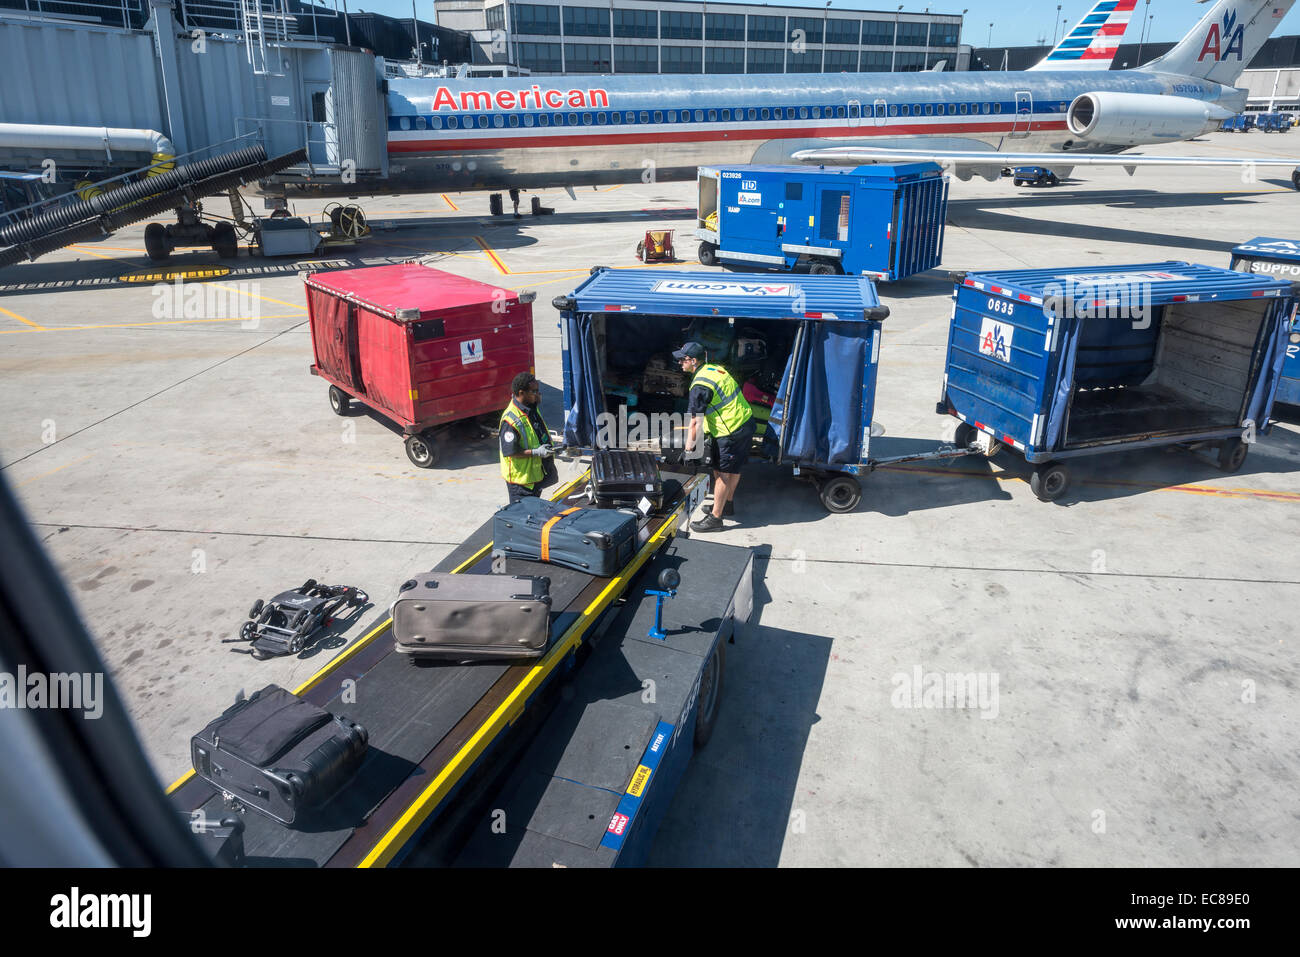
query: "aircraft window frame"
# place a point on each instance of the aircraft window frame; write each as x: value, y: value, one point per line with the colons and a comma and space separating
x: 615, y: 117
x: 986, y: 109
x: 572, y: 119
x: 644, y: 116
x: 997, y: 107
x: 483, y: 122
x: 543, y: 119
x: 803, y: 112
x: 938, y: 110
x: 816, y: 112
x: 629, y: 116
x: 498, y: 121
x: 659, y: 116
x: 601, y: 119
x: 528, y: 119
x: 513, y: 119
x: 699, y: 116
x: 672, y: 116
x: 404, y: 122
x: 962, y: 109
x: 842, y: 111
x: 421, y: 123
x: 893, y: 109
x: 726, y: 115
x: 952, y: 109
x: 713, y: 116
x: 929, y: 109
x: 435, y: 122
x: 765, y: 113
x: 753, y: 114
x: 586, y: 119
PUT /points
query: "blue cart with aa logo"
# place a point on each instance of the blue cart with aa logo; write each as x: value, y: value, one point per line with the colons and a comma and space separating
x: 1280, y: 258
x: 1060, y: 363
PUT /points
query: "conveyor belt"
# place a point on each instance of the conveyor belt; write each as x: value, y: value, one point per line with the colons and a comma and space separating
x: 428, y: 723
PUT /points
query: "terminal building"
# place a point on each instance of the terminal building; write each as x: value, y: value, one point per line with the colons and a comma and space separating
x: 676, y: 36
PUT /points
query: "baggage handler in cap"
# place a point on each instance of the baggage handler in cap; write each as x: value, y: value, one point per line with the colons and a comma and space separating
x: 727, y: 417
x: 526, y: 454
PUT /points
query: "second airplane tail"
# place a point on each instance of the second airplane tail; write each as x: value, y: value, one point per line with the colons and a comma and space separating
x: 1092, y: 44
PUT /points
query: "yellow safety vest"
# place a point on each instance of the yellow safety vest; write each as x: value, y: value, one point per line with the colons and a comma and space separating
x: 728, y: 409
x: 522, y: 471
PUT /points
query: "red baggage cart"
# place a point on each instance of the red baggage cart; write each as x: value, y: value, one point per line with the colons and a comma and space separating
x: 420, y: 346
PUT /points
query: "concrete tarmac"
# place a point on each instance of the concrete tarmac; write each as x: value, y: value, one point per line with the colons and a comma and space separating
x: 1136, y: 642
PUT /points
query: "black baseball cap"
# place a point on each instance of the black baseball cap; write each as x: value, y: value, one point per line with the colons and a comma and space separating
x: 692, y: 350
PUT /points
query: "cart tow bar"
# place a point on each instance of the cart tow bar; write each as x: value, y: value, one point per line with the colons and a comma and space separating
x: 668, y: 582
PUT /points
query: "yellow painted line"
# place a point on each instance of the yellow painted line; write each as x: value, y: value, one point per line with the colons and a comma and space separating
x: 1246, y: 493
x: 98, y: 255
x: 509, y: 709
x: 52, y: 471
x: 278, y: 302
x: 496, y: 260
x: 375, y: 632
x: 22, y: 319
x: 132, y: 325
x: 446, y: 200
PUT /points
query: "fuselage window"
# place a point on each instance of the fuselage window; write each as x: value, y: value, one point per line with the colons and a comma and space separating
x: 841, y: 112
x: 672, y: 116
x: 997, y: 107
x: 985, y: 108
x: 893, y: 111
x: 616, y: 117
x: 573, y: 119
x: 513, y: 120
x: 586, y: 119
x: 929, y: 109
x: 659, y: 116
x: 436, y: 122
x: 963, y: 108
x: 601, y: 119
x: 482, y: 122
x: 753, y: 114
x: 630, y: 116
x: 803, y: 112
x: 420, y: 123
x: 766, y: 114
x: 543, y: 119
x: 817, y: 112
x: 498, y: 121
x: 699, y: 116
x: 726, y: 115
x: 404, y: 122
x: 528, y: 119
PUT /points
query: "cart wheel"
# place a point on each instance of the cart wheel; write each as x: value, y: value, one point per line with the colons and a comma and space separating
x: 256, y: 609
x: 708, y: 254
x: 1049, y: 481
x: 246, y: 631
x: 1018, y: 182
x: 308, y: 585
x: 422, y: 450
x: 1232, y: 453
x: 339, y: 400
x: 818, y: 268
x: 155, y: 242
x: 965, y: 435
x: 840, y: 493
x: 706, y: 715
x: 224, y: 242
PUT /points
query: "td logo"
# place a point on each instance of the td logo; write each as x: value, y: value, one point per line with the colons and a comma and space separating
x: 1222, y: 43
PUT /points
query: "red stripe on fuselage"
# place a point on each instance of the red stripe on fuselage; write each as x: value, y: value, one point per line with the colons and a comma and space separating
x: 526, y: 139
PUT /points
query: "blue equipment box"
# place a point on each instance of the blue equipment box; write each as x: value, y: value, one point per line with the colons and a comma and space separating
x: 885, y: 222
x: 1267, y: 256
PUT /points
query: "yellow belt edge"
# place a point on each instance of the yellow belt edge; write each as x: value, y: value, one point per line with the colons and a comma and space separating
x: 383, y: 626
x: 386, y: 847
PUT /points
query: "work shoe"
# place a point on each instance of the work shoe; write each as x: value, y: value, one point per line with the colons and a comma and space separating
x: 707, y: 524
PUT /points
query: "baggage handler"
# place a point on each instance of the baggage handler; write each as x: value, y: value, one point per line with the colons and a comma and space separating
x: 716, y: 397
x: 527, y: 462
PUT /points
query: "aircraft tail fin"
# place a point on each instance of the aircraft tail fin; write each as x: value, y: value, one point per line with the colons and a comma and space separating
x: 1225, y: 41
x: 1092, y: 44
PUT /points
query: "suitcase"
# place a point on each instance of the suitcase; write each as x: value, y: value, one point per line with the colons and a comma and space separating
x: 278, y: 754
x: 222, y: 840
x: 592, y: 540
x: 664, y: 376
x: 439, y: 615
x: 620, y: 479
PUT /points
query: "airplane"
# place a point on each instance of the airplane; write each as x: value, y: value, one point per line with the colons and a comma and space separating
x: 447, y: 134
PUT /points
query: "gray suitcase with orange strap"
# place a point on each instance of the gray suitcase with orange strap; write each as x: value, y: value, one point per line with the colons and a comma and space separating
x: 598, y: 541
x: 468, y: 617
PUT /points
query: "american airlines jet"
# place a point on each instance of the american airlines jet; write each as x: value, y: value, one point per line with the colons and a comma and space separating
x: 1067, y: 111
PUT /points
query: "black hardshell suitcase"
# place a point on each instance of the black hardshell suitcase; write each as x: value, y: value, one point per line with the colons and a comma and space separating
x: 620, y: 479
x: 592, y: 540
x: 278, y: 754
x: 466, y: 617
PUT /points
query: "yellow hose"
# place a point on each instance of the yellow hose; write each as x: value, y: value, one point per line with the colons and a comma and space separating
x: 162, y: 163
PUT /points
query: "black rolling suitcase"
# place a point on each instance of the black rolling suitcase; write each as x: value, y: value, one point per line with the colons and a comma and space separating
x: 439, y: 615
x: 620, y: 479
x: 592, y: 540
x: 278, y: 754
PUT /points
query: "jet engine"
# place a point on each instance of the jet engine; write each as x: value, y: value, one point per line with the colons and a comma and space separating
x: 1132, y: 119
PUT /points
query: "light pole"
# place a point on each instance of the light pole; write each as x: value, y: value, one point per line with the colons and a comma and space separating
x: 893, y: 54
x: 990, y: 43
x: 1058, y: 16
x: 927, y: 37
x: 825, y: 23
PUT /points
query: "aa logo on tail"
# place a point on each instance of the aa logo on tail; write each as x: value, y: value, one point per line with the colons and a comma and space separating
x: 1222, y: 43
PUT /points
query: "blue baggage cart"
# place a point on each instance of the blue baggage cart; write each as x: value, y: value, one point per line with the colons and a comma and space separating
x: 1268, y: 256
x: 885, y: 222
x: 820, y: 350
x: 1058, y: 363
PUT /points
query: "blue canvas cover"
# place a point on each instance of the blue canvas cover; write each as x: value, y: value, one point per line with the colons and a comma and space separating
x: 817, y: 423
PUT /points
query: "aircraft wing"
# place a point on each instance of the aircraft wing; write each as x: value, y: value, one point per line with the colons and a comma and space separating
x: 965, y: 162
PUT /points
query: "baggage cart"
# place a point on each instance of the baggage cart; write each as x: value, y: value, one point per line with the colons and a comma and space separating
x: 422, y: 347
x: 1280, y: 258
x: 884, y: 221
x: 1060, y: 363
x: 822, y: 351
